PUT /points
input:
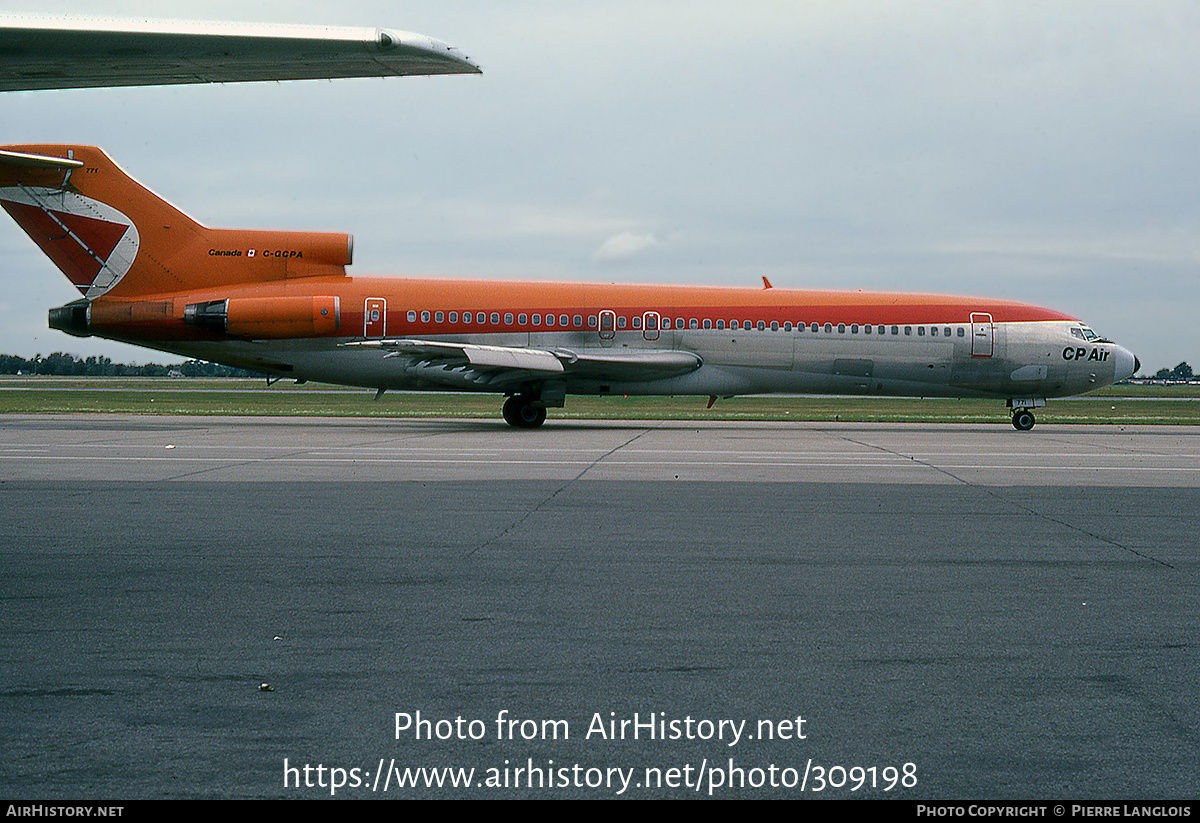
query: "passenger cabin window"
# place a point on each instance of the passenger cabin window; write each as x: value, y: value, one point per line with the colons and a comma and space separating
x: 536, y: 319
x: 592, y: 321
x: 453, y: 317
x: 480, y: 318
x: 854, y: 329
x: 920, y: 331
x: 508, y: 319
x: 412, y: 317
x: 522, y: 320
x: 621, y: 321
x: 562, y: 320
x: 721, y: 325
x: 961, y: 332
x: 637, y: 322
x: 440, y: 316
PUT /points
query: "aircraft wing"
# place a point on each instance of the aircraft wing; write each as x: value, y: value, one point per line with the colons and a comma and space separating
x: 56, y: 52
x: 462, y: 363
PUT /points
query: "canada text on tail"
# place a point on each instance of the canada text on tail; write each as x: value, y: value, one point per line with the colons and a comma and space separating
x: 113, y: 237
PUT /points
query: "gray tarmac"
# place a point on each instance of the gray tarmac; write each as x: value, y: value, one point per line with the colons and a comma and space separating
x: 954, y: 612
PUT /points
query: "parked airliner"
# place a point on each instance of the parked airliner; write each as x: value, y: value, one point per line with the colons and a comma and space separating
x: 281, y: 303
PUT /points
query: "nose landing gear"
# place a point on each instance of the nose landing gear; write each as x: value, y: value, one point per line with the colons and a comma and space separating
x: 1022, y: 411
x: 1023, y: 420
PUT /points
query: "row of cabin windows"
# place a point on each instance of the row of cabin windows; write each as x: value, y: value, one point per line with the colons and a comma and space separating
x: 483, y: 318
x: 652, y: 323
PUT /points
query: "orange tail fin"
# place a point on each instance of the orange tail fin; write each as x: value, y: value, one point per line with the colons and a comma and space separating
x: 110, y: 235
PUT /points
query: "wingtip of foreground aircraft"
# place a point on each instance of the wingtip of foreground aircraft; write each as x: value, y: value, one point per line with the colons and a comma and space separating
x: 43, y: 52
x: 281, y: 303
x: 450, y: 59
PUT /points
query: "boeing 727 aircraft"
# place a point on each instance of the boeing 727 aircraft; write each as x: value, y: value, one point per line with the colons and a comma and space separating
x: 281, y: 303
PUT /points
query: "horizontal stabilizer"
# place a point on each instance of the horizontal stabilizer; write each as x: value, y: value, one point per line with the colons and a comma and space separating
x: 20, y: 160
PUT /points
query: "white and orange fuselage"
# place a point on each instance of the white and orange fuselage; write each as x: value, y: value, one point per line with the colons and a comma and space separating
x: 281, y: 303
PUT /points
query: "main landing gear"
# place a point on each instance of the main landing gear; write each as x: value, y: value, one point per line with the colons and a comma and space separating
x: 1023, y: 420
x: 524, y: 412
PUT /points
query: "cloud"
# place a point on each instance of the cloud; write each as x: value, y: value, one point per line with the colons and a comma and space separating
x: 624, y: 246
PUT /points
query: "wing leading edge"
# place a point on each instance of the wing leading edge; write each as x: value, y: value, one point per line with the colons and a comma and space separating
x: 51, y: 52
x: 459, y: 363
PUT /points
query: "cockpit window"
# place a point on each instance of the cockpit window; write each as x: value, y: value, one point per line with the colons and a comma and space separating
x: 1088, y: 334
x: 1077, y: 333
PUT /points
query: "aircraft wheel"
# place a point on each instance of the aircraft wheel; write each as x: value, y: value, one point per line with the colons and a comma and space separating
x: 1023, y: 420
x: 520, y: 412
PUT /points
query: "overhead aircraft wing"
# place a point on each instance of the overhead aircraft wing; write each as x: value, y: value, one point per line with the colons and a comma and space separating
x: 461, y: 363
x: 57, y: 52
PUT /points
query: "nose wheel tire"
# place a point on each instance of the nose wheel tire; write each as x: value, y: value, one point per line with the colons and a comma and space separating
x: 1023, y: 420
x: 520, y: 412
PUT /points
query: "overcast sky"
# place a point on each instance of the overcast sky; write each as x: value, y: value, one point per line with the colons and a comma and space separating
x: 1042, y: 152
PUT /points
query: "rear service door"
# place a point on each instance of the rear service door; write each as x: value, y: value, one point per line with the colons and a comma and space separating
x: 375, y: 317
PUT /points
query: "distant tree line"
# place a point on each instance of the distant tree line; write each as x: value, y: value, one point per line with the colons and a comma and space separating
x: 1181, y: 372
x: 68, y: 365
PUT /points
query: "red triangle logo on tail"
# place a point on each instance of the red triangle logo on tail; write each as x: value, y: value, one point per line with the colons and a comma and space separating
x: 78, y: 245
x: 93, y: 244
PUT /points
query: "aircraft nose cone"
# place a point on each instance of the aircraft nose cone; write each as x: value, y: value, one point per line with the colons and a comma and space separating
x: 1126, y: 365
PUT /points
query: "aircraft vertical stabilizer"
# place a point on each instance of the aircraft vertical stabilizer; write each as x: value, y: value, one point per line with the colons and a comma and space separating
x: 111, y: 236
